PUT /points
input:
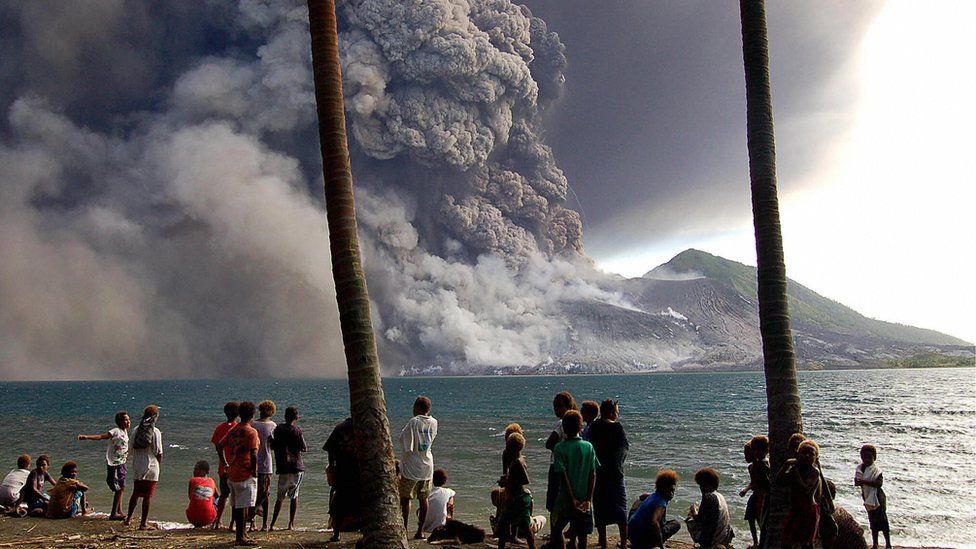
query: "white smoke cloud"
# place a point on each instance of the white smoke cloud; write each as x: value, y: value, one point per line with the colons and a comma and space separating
x: 181, y: 239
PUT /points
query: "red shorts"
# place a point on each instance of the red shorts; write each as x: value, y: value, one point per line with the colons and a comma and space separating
x: 144, y: 488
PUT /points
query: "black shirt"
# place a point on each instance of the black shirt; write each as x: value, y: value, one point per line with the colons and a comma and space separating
x: 610, y: 442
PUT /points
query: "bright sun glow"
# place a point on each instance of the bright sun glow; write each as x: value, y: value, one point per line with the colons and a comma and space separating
x: 886, y: 227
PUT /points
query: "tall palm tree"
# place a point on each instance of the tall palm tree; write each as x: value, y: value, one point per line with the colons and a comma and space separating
x: 779, y: 359
x: 384, y: 526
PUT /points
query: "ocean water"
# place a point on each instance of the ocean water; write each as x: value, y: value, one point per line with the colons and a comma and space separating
x: 922, y: 421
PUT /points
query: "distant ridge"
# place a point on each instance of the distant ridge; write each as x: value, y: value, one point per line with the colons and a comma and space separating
x: 806, y: 306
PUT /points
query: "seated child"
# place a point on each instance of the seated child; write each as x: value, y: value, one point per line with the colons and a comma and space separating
x: 68, y: 494
x: 440, y: 502
x: 711, y: 518
x: 14, y: 482
x: 516, y: 514
x: 868, y: 477
x: 648, y: 526
x: 33, y: 491
x: 202, y: 510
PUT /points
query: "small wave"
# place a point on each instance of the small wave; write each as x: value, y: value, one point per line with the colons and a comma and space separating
x: 179, y: 446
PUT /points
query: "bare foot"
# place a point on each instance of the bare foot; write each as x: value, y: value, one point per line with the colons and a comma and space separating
x: 127, y: 522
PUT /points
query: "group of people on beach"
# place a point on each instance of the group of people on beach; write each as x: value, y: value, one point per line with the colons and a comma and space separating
x: 585, y: 484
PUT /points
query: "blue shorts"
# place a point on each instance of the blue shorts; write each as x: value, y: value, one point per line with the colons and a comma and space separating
x: 580, y: 524
x: 115, y: 477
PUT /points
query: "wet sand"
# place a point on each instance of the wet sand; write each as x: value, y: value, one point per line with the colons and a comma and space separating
x: 99, y: 533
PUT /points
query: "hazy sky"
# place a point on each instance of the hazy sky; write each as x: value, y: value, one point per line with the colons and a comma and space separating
x: 873, y: 109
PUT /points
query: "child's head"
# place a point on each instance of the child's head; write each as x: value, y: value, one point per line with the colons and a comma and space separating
x: 589, y: 410
x: 246, y: 411
x: 151, y: 411
x: 794, y: 444
x: 869, y: 454
x: 69, y: 469
x: 512, y: 428
x: 515, y: 443
x: 747, y: 452
x: 572, y: 423
x: 562, y: 403
x: 707, y: 479
x: 760, y: 447
x: 43, y: 462
x: 267, y: 408
x: 24, y: 461
x: 808, y: 452
x: 122, y: 420
x: 202, y: 468
x: 291, y: 414
x: 421, y: 406
x: 440, y: 477
x: 230, y: 410
x: 609, y: 410
x: 666, y: 483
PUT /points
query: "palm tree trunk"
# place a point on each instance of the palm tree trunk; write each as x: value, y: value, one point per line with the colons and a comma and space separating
x: 383, y: 522
x: 779, y: 359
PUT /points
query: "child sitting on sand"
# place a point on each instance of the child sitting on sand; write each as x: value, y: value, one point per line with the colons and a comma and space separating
x: 802, y: 477
x: 440, y: 502
x: 68, y: 494
x: 711, y: 520
x: 868, y: 477
x: 33, y: 491
x: 648, y: 526
x: 14, y: 482
x: 202, y: 510
x: 755, y: 454
x: 516, y: 513
x: 116, y: 452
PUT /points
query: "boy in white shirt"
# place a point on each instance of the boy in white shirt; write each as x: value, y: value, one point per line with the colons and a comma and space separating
x: 116, y: 454
x: 440, y: 503
x: 417, y: 464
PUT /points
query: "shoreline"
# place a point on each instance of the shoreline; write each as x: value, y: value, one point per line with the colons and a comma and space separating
x: 101, y: 533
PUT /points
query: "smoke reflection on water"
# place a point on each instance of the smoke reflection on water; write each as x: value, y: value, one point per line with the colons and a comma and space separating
x: 921, y: 421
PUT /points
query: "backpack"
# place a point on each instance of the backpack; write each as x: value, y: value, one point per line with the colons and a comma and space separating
x: 144, y: 433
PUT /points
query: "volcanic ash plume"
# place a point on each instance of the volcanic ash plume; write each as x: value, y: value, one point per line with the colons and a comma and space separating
x: 470, y: 249
x: 181, y: 232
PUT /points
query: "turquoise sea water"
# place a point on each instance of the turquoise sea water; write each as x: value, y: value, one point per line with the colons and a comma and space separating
x: 922, y: 421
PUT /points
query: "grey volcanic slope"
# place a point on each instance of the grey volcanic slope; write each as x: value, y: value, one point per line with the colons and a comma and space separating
x: 700, y: 312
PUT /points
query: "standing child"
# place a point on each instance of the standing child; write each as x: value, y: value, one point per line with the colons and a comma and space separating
x: 68, y: 495
x: 802, y: 477
x: 589, y: 409
x: 116, y: 453
x: 440, y: 502
x: 14, y: 482
x: 147, y: 452
x: 230, y: 410
x: 609, y: 497
x: 265, y: 427
x: 516, y: 513
x: 868, y: 477
x: 241, y: 444
x: 202, y: 510
x: 417, y: 464
x: 288, y: 443
x: 561, y: 403
x: 576, y: 464
x: 755, y: 453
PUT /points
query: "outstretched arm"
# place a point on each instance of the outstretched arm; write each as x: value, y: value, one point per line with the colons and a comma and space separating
x: 102, y: 436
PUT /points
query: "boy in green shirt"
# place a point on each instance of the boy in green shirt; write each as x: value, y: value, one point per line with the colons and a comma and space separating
x: 575, y: 461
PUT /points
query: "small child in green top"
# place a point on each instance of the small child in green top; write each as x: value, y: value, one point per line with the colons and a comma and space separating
x: 576, y: 462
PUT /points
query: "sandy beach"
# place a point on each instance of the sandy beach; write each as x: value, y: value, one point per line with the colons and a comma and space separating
x: 92, y: 533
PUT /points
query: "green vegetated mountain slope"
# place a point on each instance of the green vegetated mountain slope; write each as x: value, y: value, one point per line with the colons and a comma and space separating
x: 807, y: 308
